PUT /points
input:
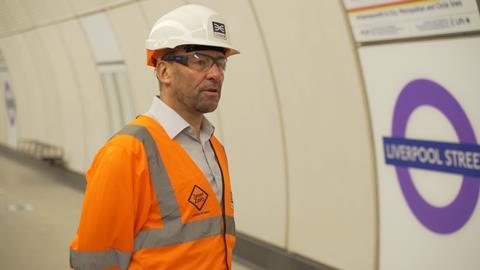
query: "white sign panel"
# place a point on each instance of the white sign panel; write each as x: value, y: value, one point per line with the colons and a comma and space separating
x: 10, y: 106
x: 424, y: 100
x: 375, y: 20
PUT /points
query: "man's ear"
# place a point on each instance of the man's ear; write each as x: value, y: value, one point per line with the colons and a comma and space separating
x: 164, y: 72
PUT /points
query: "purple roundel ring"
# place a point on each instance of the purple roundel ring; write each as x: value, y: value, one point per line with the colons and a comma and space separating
x: 450, y: 218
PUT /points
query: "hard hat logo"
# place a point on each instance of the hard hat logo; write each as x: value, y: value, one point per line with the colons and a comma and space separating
x: 219, y: 30
x: 188, y: 25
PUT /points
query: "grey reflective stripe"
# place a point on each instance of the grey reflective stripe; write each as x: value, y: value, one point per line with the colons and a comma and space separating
x: 99, y: 260
x: 229, y: 225
x: 171, y: 235
x: 167, y: 202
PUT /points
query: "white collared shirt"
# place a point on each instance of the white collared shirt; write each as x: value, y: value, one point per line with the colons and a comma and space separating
x: 200, y: 151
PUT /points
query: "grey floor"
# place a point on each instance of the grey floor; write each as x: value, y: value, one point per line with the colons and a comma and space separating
x: 39, y: 212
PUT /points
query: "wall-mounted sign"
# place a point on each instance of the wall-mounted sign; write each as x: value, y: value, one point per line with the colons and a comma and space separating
x: 424, y: 102
x: 461, y: 158
x: 10, y: 104
x: 377, y: 20
x: 11, y: 109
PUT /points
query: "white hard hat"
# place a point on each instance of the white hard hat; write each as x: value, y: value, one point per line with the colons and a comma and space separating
x: 188, y: 25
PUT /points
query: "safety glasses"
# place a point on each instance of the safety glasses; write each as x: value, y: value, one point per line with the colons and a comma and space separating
x: 198, y: 61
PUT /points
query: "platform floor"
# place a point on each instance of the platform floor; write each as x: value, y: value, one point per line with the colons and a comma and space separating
x: 39, y: 213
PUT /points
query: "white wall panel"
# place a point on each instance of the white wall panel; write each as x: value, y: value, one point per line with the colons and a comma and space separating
x: 4, y: 123
x: 87, y: 6
x: 101, y: 38
x: 14, y: 16
x: 111, y: 3
x: 131, y: 35
x: 84, y: 6
x: 24, y: 79
x: 91, y: 94
x: 47, y: 11
x: 332, y: 192
x: 46, y: 87
x: 72, y: 121
x: 154, y: 9
x: 252, y: 131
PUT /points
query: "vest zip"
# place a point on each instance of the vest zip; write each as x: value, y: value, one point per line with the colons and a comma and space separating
x: 223, y: 208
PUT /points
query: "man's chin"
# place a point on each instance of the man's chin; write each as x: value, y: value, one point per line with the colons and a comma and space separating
x: 207, y: 107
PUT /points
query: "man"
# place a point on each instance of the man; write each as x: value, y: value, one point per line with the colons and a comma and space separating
x: 158, y: 193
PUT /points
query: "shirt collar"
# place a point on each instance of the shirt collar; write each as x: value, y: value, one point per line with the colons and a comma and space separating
x: 173, y: 123
x: 206, y: 132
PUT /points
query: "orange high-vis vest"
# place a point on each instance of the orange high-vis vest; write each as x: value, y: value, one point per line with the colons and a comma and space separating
x: 148, y: 206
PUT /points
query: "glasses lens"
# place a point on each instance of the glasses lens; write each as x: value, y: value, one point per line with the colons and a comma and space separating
x: 203, y: 62
x: 222, y: 63
x: 200, y: 62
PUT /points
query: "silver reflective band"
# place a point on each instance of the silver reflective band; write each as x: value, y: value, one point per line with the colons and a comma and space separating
x: 229, y: 225
x: 178, y: 233
x: 167, y: 202
x: 99, y: 260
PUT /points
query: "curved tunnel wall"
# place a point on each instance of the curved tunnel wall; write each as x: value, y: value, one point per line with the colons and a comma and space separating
x: 293, y: 115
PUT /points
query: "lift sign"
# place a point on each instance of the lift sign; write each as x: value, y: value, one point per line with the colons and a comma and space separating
x: 460, y: 158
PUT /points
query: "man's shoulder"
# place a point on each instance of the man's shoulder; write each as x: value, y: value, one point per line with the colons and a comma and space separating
x: 130, y: 142
x: 120, y: 149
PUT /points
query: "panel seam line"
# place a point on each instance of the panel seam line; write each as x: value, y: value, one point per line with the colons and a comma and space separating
x: 281, y: 122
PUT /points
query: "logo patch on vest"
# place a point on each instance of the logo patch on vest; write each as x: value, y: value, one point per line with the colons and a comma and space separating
x: 198, y: 197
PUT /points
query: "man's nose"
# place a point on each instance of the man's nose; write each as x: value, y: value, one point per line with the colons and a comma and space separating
x: 215, y: 72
